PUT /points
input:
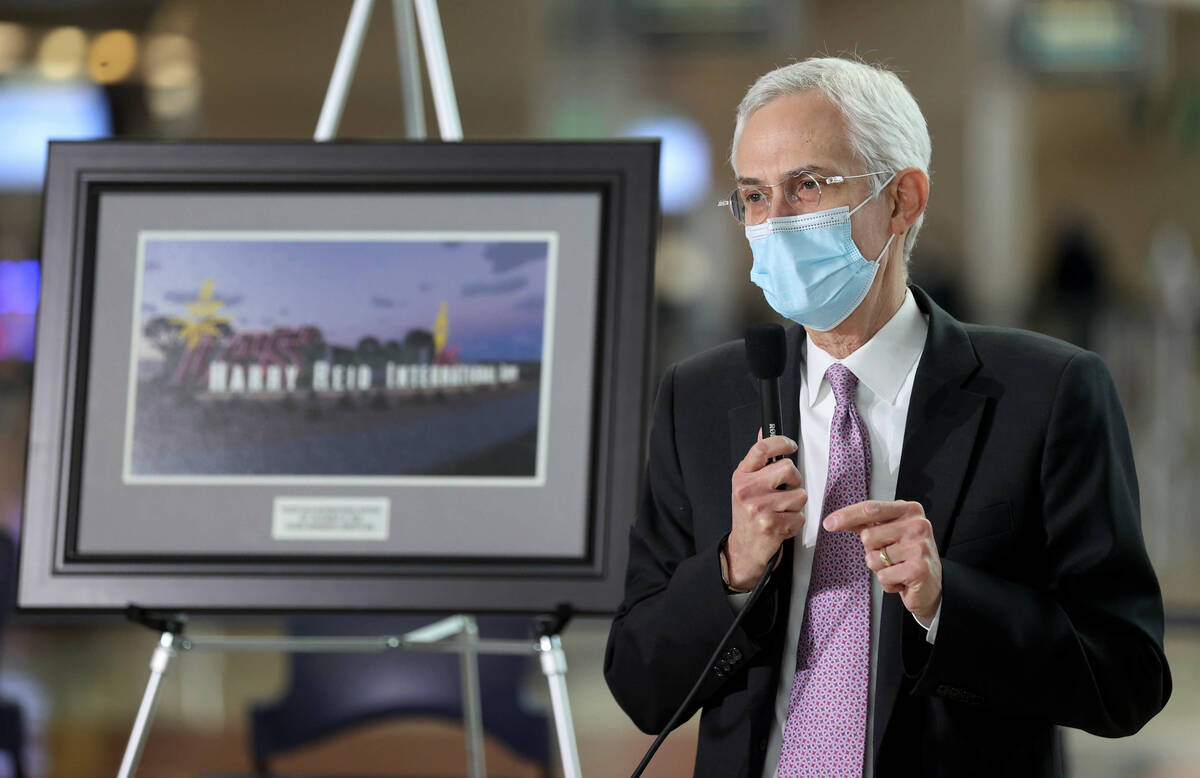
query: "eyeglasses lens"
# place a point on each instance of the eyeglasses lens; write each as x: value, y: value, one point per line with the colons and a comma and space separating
x: 752, y: 204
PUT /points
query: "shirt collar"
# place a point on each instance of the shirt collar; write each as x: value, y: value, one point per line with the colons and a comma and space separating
x: 882, y: 363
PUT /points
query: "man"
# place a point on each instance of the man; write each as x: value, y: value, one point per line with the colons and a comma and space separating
x: 967, y: 569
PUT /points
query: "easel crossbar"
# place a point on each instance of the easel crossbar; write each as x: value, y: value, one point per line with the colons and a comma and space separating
x: 341, y: 645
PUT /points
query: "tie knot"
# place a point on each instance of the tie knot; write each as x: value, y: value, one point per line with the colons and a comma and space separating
x: 843, y: 382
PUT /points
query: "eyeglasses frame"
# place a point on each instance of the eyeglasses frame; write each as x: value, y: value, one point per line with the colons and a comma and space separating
x: 818, y: 179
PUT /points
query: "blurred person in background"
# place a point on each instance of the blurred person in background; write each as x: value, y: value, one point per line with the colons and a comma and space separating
x: 967, y: 569
x: 1077, y: 289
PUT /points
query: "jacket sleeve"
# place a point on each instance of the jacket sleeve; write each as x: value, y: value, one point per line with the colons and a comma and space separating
x: 675, y: 610
x: 1085, y: 649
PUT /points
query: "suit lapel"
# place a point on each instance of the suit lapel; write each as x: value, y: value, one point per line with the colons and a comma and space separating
x: 789, y: 389
x: 939, y: 436
x: 743, y: 427
x: 943, y: 418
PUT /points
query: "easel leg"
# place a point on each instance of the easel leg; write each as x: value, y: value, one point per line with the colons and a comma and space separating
x: 163, y: 654
x: 410, y: 69
x: 445, y: 104
x: 343, y: 70
x: 554, y: 667
x: 472, y: 705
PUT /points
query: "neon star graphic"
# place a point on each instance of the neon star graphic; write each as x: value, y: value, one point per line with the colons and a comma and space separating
x: 204, y: 321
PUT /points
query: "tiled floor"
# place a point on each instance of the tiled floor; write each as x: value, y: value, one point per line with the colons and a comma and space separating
x: 81, y: 686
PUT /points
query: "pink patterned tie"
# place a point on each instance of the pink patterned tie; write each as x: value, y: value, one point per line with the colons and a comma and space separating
x: 826, y: 725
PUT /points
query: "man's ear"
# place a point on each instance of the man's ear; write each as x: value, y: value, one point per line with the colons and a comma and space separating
x: 912, y: 194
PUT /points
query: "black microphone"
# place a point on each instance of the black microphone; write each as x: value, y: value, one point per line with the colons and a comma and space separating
x: 766, y: 351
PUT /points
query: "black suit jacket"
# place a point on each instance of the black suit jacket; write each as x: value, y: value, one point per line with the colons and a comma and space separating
x: 1016, y: 447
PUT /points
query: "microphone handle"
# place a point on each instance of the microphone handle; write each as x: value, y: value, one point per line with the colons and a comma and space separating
x: 772, y: 409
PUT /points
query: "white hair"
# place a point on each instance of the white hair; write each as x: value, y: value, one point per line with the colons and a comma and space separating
x: 884, y: 126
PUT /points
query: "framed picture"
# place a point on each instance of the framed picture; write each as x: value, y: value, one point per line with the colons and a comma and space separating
x: 276, y: 376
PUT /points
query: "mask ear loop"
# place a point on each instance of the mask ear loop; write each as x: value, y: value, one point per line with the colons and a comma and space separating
x: 869, y: 199
x: 885, y: 247
x: 872, y: 197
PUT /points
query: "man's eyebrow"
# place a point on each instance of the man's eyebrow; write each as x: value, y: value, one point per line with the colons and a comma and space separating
x: 802, y: 169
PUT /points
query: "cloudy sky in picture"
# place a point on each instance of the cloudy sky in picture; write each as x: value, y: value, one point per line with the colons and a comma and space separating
x: 494, y: 290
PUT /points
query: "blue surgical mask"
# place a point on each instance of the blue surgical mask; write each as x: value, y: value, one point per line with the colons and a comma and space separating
x: 809, y: 268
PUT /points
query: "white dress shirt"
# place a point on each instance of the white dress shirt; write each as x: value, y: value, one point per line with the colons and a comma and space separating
x: 885, y: 366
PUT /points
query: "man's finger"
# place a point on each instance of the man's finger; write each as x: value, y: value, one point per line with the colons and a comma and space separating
x: 864, y: 514
x: 791, y: 522
x: 782, y: 474
x: 875, y: 560
x: 900, y: 575
x: 882, y: 535
x: 795, y: 501
x: 774, y: 506
x: 764, y: 450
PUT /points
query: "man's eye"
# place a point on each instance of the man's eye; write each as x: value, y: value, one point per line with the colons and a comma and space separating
x: 754, y: 197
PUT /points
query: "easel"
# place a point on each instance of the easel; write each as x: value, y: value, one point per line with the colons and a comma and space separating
x: 440, y: 82
x: 456, y: 634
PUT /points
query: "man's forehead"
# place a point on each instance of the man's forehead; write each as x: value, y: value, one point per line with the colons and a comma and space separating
x: 824, y: 170
x: 803, y: 131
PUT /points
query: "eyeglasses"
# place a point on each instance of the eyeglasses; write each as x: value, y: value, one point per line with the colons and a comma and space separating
x: 751, y: 204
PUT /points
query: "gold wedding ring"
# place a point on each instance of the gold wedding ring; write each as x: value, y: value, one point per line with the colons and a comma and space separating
x: 884, y: 557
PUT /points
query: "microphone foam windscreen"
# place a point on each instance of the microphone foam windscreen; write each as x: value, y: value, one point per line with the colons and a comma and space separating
x: 766, y: 350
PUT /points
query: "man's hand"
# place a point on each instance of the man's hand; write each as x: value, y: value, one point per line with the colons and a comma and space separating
x: 767, y: 500
x: 900, y: 530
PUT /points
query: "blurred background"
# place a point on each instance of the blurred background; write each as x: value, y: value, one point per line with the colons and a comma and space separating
x: 1066, y: 153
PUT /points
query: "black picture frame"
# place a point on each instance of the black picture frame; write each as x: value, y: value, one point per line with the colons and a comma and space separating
x: 55, y: 575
